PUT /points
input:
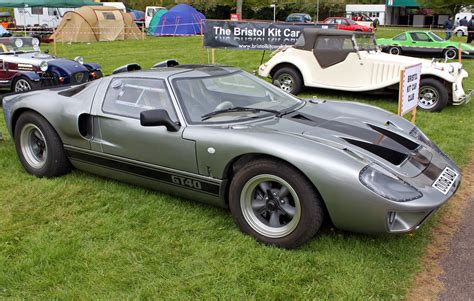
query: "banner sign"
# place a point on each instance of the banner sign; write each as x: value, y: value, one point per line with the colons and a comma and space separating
x: 252, y: 35
x: 410, y: 88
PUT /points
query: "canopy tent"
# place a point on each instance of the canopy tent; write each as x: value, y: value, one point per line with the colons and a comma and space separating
x: 46, y: 3
x: 181, y: 19
x: 96, y: 23
x: 156, y: 21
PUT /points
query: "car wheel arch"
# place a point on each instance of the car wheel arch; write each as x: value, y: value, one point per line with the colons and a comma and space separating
x: 235, y: 163
x: 283, y: 65
x: 16, y: 115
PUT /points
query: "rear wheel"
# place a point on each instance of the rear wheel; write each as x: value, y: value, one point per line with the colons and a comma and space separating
x: 23, y: 84
x: 288, y: 79
x: 459, y: 33
x: 395, y: 50
x: 39, y: 147
x: 275, y: 203
x: 450, y: 53
x: 433, y: 95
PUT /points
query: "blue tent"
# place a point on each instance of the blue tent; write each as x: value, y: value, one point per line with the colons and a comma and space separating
x: 181, y: 19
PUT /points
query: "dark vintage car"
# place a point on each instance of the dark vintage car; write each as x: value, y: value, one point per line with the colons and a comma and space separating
x: 24, y: 67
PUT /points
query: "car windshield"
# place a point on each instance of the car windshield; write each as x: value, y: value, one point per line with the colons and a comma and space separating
x: 15, y: 44
x: 365, y: 41
x: 231, y: 97
x: 435, y: 37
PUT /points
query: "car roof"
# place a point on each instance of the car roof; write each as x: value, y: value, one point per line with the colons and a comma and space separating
x: 311, y: 34
x: 181, y: 71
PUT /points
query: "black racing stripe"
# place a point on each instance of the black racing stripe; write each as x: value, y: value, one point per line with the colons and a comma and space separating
x: 158, y: 175
x: 432, y: 172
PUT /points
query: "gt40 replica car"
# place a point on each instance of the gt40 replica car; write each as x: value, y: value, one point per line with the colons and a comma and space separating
x: 424, y: 43
x: 350, y: 61
x: 23, y: 67
x: 225, y: 137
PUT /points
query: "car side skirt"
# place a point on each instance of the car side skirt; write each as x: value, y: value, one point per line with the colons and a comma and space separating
x: 184, y: 184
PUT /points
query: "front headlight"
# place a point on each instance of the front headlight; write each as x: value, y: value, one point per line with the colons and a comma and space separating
x: 43, y: 66
x: 79, y: 59
x: 387, y: 185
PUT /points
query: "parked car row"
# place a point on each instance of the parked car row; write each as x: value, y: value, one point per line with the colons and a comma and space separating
x: 281, y: 164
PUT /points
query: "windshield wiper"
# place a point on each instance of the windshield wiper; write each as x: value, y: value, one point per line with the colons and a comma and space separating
x: 238, y: 109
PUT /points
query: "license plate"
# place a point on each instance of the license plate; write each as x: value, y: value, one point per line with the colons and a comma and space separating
x: 445, y: 180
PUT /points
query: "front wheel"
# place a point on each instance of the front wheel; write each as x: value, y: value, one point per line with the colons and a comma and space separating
x: 433, y: 95
x: 275, y: 203
x: 39, y: 147
x: 288, y: 79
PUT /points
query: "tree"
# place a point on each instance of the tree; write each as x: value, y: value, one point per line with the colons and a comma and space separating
x: 450, y: 6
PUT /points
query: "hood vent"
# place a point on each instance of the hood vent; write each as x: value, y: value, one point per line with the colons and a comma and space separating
x: 402, y: 140
x: 307, y: 119
x: 388, y: 154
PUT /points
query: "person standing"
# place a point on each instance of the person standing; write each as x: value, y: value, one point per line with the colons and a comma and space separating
x: 470, y: 30
x: 448, y: 27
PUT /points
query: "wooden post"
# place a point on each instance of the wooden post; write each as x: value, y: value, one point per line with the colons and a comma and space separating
x: 400, y: 91
x: 460, y: 52
x: 213, y: 51
x: 413, y: 115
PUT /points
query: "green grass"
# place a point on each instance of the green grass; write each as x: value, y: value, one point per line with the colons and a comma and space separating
x: 86, y: 237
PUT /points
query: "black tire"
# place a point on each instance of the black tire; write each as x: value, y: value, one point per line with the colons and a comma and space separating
x: 39, y: 147
x: 437, y: 98
x: 395, y: 50
x: 450, y: 53
x: 459, y: 33
x: 23, y: 84
x: 289, y: 80
x: 254, y: 214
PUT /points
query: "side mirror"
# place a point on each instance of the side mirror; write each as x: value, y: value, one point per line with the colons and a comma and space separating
x: 158, y: 117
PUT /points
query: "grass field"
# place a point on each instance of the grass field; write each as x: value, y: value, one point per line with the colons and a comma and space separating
x: 86, y: 237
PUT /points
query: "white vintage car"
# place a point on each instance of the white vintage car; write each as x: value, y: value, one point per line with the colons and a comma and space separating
x: 349, y: 61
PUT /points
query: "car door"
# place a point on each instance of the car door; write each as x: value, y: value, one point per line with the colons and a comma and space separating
x: 120, y: 101
x: 421, y: 39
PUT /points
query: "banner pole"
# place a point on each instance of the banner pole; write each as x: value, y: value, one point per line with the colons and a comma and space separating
x: 202, y: 38
x: 213, y: 55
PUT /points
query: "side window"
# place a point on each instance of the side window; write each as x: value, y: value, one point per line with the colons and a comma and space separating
x: 108, y: 16
x: 130, y: 96
x: 400, y: 37
x: 333, y: 43
x: 36, y: 10
x: 420, y: 37
x: 150, y: 12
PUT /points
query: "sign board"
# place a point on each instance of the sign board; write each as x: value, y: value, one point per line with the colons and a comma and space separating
x: 409, y: 89
x: 252, y: 35
x: 235, y: 17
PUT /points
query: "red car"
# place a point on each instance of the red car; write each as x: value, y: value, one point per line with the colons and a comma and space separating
x: 346, y: 24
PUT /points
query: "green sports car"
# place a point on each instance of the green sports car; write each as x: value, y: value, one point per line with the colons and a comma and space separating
x: 424, y: 43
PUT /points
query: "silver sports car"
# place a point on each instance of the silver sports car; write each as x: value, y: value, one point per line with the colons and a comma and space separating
x: 222, y: 136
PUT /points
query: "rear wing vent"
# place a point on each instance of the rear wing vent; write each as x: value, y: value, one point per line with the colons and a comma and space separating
x: 127, y: 68
x: 167, y: 63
